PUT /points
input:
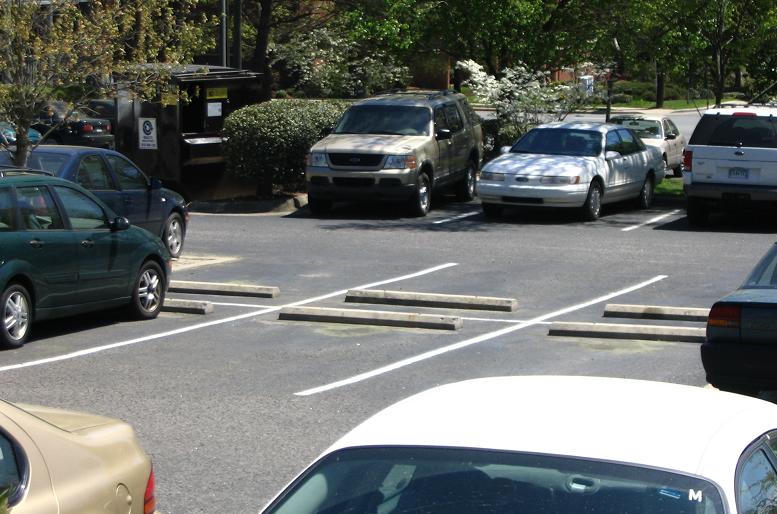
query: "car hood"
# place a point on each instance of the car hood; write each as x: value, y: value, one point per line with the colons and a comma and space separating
x: 539, y: 164
x: 752, y: 295
x: 368, y: 143
x: 67, y: 420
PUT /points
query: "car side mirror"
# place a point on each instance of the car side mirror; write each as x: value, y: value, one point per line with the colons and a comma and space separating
x: 610, y: 155
x: 671, y: 136
x: 119, y: 223
x: 443, y: 134
x: 505, y: 149
x: 155, y: 183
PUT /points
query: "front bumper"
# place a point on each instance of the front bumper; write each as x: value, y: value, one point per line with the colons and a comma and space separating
x: 548, y: 196
x: 742, y: 365
x: 329, y: 184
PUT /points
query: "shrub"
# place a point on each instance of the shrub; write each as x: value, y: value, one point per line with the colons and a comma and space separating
x: 269, y: 141
x: 621, y: 98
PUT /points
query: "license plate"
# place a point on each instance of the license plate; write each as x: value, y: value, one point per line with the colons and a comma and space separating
x: 738, y: 173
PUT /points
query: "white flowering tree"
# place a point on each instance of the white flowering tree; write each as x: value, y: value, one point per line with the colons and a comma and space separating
x: 522, y: 98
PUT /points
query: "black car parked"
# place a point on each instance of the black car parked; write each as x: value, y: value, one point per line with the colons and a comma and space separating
x: 84, y: 127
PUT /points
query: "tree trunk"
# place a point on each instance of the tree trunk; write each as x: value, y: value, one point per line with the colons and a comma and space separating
x: 660, y: 84
x: 260, y: 62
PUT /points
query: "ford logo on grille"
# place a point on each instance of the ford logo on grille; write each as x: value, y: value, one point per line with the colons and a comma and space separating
x: 354, y: 160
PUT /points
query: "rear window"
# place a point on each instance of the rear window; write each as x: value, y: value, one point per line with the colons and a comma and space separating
x: 732, y: 130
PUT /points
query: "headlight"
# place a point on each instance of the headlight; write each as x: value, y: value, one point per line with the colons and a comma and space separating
x: 560, y: 180
x: 400, y: 162
x: 317, y: 159
x: 488, y: 175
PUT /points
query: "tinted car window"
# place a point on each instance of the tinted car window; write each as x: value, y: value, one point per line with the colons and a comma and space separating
x: 613, y: 143
x: 454, y: 119
x: 384, y: 119
x: 629, y: 143
x: 440, y: 121
x: 757, y: 486
x: 37, y: 209
x: 6, y: 210
x: 129, y: 176
x: 10, y: 474
x: 83, y: 212
x: 754, y: 131
x: 92, y: 173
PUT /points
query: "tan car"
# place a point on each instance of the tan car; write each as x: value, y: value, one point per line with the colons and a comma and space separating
x: 57, y: 461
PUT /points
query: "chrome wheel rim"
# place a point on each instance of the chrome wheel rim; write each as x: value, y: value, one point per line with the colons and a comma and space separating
x: 471, y: 181
x: 17, y: 316
x: 423, y: 195
x: 149, y: 290
x: 174, y: 236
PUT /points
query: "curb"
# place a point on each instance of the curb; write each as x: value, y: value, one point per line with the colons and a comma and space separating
x: 617, y: 331
x: 613, y: 310
x: 364, y: 317
x: 187, y: 306
x: 484, y: 303
x: 185, y: 286
x: 238, y: 206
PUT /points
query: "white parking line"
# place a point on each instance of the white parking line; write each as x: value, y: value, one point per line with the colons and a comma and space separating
x: 475, y: 340
x: 650, y: 221
x: 96, y: 349
x: 454, y: 218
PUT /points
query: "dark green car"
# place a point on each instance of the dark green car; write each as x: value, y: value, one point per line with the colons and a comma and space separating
x: 64, y: 252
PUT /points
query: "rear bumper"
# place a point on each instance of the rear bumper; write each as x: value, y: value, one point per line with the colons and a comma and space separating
x: 731, y: 194
x: 738, y: 364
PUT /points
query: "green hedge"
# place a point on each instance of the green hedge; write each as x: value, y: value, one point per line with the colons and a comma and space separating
x: 269, y: 141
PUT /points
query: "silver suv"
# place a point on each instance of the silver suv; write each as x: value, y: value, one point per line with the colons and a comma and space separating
x: 731, y: 161
x: 397, y: 146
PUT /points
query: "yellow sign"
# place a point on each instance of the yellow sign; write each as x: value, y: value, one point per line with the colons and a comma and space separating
x: 216, y: 93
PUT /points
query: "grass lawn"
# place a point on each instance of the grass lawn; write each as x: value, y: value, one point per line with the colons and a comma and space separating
x: 674, y: 104
x: 670, y: 186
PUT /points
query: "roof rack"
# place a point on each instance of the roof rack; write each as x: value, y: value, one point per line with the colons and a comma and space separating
x: 430, y: 95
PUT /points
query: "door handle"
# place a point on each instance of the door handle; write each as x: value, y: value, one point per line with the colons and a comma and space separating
x: 739, y: 152
x: 87, y: 243
x: 36, y: 243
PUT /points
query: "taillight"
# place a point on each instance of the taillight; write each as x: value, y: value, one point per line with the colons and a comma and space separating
x: 86, y: 128
x: 108, y: 127
x: 149, y: 502
x: 725, y: 316
x: 740, y: 113
x: 687, y: 160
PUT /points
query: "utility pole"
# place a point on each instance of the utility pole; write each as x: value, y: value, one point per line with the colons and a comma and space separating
x: 223, y: 33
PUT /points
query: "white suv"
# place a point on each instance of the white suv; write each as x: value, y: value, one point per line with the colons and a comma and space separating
x: 731, y: 160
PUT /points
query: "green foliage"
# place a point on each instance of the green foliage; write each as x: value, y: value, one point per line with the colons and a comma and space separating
x: 4, y: 501
x: 269, y: 141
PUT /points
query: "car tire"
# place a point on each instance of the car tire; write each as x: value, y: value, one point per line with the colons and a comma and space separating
x: 17, y: 316
x: 422, y: 198
x: 647, y: 193
x: 173, y: 234
x: 466, y: 187
x: 318, y: 206
x: 148, y: 293
x: 592, y: 208
x: 491, y: 210
x: 697, y: 213
x: 678, y: 170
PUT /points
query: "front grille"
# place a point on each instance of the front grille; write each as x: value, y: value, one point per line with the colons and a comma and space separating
x: 519, y: 199
x: 357, y: 160
x: 390, y: 182
x: 353, y: 182
x: 319, y: 181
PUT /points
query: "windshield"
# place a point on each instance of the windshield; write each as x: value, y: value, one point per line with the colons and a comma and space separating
x: 411, y: 480
x: 733, y: 130
x: 764, y: 275
x: 385, y: 119
x: 560, y: 141
x: 646, y: 129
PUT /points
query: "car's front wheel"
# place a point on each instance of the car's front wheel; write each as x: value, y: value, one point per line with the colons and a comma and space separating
x: 592, y: 207
x: 174, y: 234
x: 148, y: 294
x: 422, y: 199
x: 17, y: 314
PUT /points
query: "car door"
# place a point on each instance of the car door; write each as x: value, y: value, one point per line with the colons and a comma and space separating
x: 443, y: 145
x: 143, y: 204
x: 459, y: 138
x: 617, y: 168
x: 48, y: 250
x: 636, y: 162
x: 675, y: 143
x: 93, y: 174
x: 104, y: 256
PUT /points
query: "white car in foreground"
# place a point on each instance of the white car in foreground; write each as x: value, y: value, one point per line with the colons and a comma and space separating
x: 550, y: 445
x: 578, y: 165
